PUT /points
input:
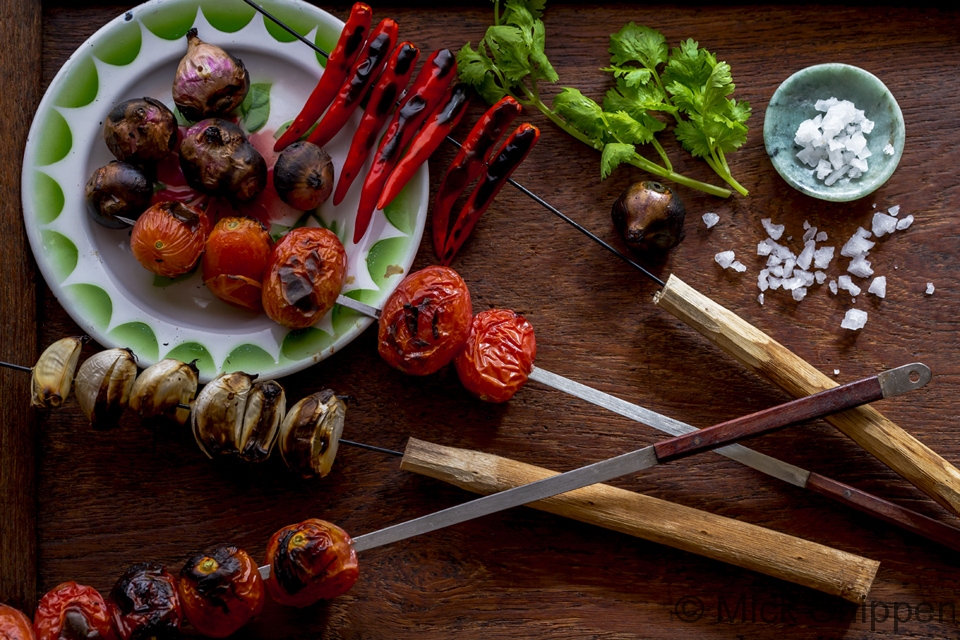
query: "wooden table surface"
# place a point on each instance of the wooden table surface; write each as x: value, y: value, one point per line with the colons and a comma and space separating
x: 83, y: 505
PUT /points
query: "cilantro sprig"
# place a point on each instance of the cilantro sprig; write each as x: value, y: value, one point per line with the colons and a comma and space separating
x: 687, y: 84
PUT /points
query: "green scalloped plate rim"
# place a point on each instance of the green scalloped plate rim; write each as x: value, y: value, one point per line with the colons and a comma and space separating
x: 84, y: 264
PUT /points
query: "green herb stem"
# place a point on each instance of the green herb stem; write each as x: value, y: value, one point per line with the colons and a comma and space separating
x: 718, y: 163
x: 642, y: 163
x: 535, y: 101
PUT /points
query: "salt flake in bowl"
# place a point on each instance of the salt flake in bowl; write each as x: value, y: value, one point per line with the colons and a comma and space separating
x: 834, y: 132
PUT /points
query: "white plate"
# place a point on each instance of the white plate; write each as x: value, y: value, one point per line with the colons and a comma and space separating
x: 90, y: 268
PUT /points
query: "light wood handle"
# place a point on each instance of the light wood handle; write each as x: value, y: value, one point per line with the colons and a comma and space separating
x: 765, y: 356
x: 744, y: 545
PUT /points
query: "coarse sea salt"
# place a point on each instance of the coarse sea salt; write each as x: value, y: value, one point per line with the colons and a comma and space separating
x: 883, y: 224
x: 710, y: 219
x: 878, y: 287
x: 857, y: 244
x: 930, y: 289
x: 904, y: 222
x: 854, y: 319
x: 725, y: 259
x: 773, y: 230
x: 834, y: 142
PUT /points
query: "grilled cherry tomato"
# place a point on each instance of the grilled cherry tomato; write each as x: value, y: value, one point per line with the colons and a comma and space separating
x: 498, y: 356
x: 144, y: 603
x: 220, y: 590
x: 14, y: 625
x: 424, y: 323
x: 235, y: 259
x: 72, y: 610
x: 310, y: 561
x: 168, y: 238
x: 304, y: 277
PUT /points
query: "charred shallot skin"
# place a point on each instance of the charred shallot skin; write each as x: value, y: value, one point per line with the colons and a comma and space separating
x: 209, y: 81
x: 14, y: 625
x: 498, y: 356
x: 217, y: 159
x: 142, y: 130
x: 303, y: 176
x: 310, y: 434
x: 144, y: 603
x: 649, y: 216
x: 220, y: 590
x: 161, y: 390
x: 168, y: 238
x: 310, y: 561
x: 103, y: 386
x: 305, y: 275
x: 52, y: 377
x: 118, y: 189
x: 72, y: 611
x: 425, y: 322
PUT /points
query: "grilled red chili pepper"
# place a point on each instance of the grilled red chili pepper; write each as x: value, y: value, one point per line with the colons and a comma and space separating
x: 364, y: 71
x: 509, y: 157
x: 469, y: 164
x: 436, y: 75
x: 443, y: 119
x: 391, y: 82
x: 344, y: 54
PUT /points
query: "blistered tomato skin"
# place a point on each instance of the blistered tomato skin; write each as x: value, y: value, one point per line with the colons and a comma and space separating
x: 310, y: 561
x: 235, y: 259
x: 498, y: 356
x: 304, y: 277
x: 14, y: 625
x: 72, y: 610
x: 144, y: 603
x: 221, y: 590
x: 168, y: 238
x: 424, y: 323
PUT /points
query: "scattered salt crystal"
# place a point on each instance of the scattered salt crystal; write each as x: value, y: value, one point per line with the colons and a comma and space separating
x: 806, y: 256
x: 821, y: 237
x: 854, y: 319
x: 844, y: 282
x: 791, y: 284
x: 810, y: 234
x: 836, y: 372
x: 888, y: 149
x: 710, y: 219
x: 857, y: 244
x: 775, y: 283
x: 774, y: 261
x: 724, y: 259
x: 820, y: 277
x: 799, y: 293
x: 765, y: 247
x: 762, y: 281
x: 777, y: 270
x: 894, y: 210
x: 806, y: 224
x: 822, y: 257
x: 773, y: 230
x: 738, y: 266
x: 883, y: 224
x: 760, y: 298
x: 833, y: 287
x: 879, y: 287
x: 904, y: 222
x: 930, y: 289
x: 860, y: 266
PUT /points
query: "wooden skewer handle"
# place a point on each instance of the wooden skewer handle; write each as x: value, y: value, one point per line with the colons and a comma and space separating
x: 886, y: 511
x: 738, y: 543
x: 765, y: 356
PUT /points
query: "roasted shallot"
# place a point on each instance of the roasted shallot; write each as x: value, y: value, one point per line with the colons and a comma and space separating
x: 52, y: 376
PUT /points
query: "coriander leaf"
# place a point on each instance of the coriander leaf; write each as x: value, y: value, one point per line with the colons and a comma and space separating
x: 693, y: 138
x: 581, y: 113
x: 631, y: 76
x: 533, y: 7
x: 636, y: 100
x: 490, y: 90
x: 638, y: 44
x: 538, y: 59
x: 739, y: 111
x: 615, y: 154
x: 625, y: 129
x: 515, y: 13
x: 510, y: 52
x: 473, y: 65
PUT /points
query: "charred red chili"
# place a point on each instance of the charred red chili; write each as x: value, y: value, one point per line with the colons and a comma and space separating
x: 431, y: 83
x: 509, y: 157
x: 344, y: 54
x: 384, y: 95
x: 363, y: 73
x: 444, y: 118
x: 469, y: 164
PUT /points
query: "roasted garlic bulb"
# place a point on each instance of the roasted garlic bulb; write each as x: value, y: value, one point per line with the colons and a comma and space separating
x: 103, y: 386
x: 310, y: 434
x: 165, y: 389
x: 234, y: 416
x: 52, y: 376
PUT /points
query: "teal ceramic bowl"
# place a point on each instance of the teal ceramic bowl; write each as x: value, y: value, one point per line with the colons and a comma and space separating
x: 793, y: 102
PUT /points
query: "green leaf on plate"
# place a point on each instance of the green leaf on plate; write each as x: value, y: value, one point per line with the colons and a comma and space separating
x: 301, y: 344
x: 249, y: 358
x: 48, y: 197
x: 57, y: 139
x: 402, y: 212
x: 83, y: 86
x: 255, y: 108
x: 60, y: 252
x: 193, y: 351
x: 123, y: 45
x: 95, y: 303
x: 139, y: 338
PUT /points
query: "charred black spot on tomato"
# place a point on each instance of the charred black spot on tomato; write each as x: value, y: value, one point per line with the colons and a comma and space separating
x: 215, y: 585
x: 146, y: 603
